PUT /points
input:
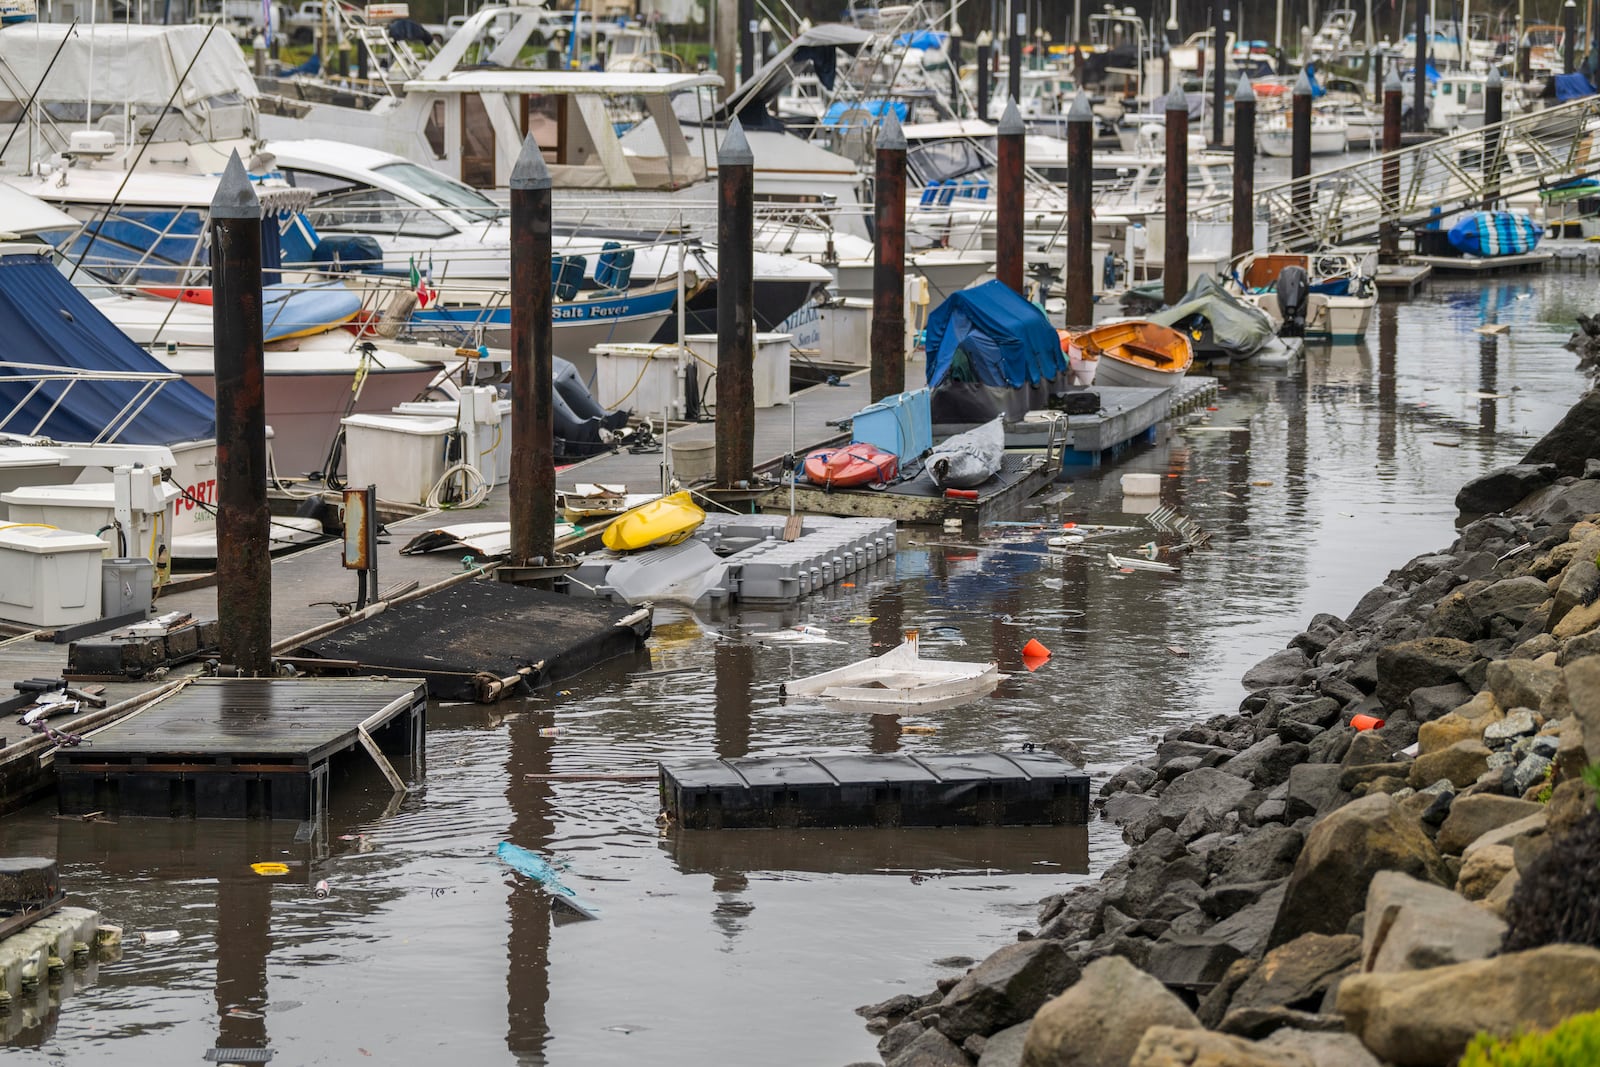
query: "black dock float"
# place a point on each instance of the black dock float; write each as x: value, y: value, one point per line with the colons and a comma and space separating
x: 482, y: 640
x: 235, y: 748
x: 898, y: 850
x: 967, y: 789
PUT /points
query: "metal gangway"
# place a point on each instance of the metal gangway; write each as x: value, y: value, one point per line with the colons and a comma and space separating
x: 1510, y: 160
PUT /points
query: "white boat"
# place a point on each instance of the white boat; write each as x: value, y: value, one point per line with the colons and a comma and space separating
x: 1330, y: 134
x: 1343, y: 294
x: 902, y: 678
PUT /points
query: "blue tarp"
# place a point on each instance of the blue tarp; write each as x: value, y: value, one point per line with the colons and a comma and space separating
x: 1316, y: 87
x: 927, y: 40
x: 1572, y: 86
x: 1495, y: 233
x: 46, y: 322
x: 1007, y: 340
x: 875, y: 108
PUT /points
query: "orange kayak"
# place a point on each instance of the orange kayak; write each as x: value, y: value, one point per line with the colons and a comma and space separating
x: 851, y: 466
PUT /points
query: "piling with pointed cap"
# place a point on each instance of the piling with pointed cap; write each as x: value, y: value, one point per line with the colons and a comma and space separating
x: 888, y: 336
x: 1419, y: 102
x: 1569, y: 36
x: 533, y: 470
x: 1244, y: 167
x: 985, y: 78
x: 1300, y: 154
x: 736, y: 309
x: 1009, y: 197
x: 1219, y: 70
x: 1080, y: 212
x: 1493, y: 112
x: 1175, y: 202
x: 244, y: 523
x: 1389, y: 228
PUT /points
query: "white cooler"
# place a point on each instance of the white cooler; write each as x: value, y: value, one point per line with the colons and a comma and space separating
x: 496, y: 461
x: 771, y: 369
x: 49, y: 577
x: 85, y: 507
x: 647, y: 378
x: 403, y: 455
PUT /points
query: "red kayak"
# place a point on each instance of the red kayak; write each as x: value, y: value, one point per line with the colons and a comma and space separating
x: 853, y: 465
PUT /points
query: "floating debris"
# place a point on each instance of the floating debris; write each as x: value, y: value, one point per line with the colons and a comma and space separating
x: 1133, y: 563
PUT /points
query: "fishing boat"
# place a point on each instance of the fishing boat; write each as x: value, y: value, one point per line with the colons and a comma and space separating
x: 901, y: 677
x: 968, y: 459
x: 851, y: 466
x: 658, y: 524
x: 1135, y: 353
x: 1330, y: 134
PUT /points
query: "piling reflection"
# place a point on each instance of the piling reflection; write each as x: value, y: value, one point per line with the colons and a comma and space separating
x: 1388, y: 344
x: 528, y: 940
x: 1488, y: 382
x: 734, y: 662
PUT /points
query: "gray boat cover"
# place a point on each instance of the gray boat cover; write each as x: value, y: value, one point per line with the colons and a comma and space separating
x: 968, y: 459
x: 1240, y: 328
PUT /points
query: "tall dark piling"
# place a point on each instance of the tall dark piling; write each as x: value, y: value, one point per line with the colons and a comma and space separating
x: 1219, y: 71
x: 954, y: 55
x: 1016, y: 37
x: 1175, y: 265
x: 1419, y: 99
x: 1569, y: 36
x: 748, y: 28
x: 736, y: 308
x: 1493, y: 112
x: 888, y: 337
x: 533, y: 470
x: 985, y: 76
x: 1389, y: 229
x: 1300, y: 153
x: 1080, y: 211
x: 1008, y: 214
x: 363, y: 61
x: 1244, y: 167
x: 244, y: 523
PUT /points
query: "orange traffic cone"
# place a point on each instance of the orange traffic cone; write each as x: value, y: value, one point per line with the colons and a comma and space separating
x: 1034, y: 650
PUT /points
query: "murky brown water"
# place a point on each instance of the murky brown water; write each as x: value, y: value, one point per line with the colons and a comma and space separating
x: 745, y: 948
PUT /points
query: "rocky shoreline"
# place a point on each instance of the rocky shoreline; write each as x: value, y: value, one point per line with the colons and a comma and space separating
x: 1303, y: 892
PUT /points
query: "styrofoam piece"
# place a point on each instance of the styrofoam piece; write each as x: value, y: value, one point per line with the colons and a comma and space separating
x: 1141, y: 484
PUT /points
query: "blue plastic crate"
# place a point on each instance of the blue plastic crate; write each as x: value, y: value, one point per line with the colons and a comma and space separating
x: 900, y: 424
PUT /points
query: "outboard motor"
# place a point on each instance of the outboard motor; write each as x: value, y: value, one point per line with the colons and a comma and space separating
x: 1293, y: 289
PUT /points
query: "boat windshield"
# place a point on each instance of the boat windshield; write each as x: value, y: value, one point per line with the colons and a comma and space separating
x: 934, y: 161
x: 447, y: 191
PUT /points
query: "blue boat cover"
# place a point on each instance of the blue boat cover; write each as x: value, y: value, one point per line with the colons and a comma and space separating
x: 1495, y: 233
x: 1572, y: 86
x: 839, y: 108
x: 1008, y: 342
x: 46, y: 322
x: 927, y: 40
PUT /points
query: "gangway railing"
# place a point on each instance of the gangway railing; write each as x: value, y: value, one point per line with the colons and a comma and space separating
x: 1463, y: 172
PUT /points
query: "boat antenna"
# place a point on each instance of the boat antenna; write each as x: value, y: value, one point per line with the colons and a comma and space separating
x: 28, y: 107
x: 143, y: 145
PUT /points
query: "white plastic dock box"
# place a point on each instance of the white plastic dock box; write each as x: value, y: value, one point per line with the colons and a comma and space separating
x: 643, y: 377
x: 49, y: 577
x: 403, y: 455
x: 85, y: 507
x: 494, y: 438
x: 771, y: 370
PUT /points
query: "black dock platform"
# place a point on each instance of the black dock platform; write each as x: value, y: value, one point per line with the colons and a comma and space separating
x: 967, y: 789
x: 241, y: 747
x: 481, y: 640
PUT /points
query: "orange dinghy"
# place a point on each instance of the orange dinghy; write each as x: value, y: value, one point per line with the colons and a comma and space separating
x: 1135, y: 353
x: 850, y: 466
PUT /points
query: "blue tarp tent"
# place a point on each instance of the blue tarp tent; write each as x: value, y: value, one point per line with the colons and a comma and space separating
x: 1008, y: 342
x: 1572, y: 86
x: 48, y: 323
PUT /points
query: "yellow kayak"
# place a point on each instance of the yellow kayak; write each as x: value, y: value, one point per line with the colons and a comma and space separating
x: 657, y: 524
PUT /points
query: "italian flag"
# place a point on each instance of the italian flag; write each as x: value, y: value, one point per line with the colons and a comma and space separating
x: 425, y: 293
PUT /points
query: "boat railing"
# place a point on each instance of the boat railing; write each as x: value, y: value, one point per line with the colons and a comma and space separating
x: 40, y: 377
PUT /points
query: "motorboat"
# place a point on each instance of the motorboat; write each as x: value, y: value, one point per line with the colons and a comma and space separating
x: 1341, y: 291
x: 851, y: 466
x: 659, y: 524
x: 1330, y: 134
x: 901, y: 677
x: 968, y: 459
x: 1135, y: 353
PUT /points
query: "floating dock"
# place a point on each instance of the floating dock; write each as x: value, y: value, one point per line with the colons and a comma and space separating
x: 968, y: 789
x: 241, y: 748
x: 1481, y: 265
x: 987, y: 850
x: 1402, y: 279
x: 481, y: 640
x: 917, y: 501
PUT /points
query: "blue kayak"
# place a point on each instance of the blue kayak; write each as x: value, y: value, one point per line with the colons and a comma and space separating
x: 1495, y: 233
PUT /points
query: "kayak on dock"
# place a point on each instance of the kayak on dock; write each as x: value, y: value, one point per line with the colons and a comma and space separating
x: 668, y: 521
x: 851, y: 466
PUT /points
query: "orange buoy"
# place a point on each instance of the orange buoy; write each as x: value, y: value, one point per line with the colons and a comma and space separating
x: 1034, y: 650
x: 1367, y: 722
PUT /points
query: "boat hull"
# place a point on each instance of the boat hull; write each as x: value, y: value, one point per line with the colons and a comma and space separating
x: 1323, y: 142
x: 1340, y: 319
x: 1117, y: 371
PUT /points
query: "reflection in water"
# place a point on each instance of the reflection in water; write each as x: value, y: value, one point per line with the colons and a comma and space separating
x: 1488, y: 381
x: 1388, y: 343
x: 734, y: 663
x: 528, y: 942
x: 244, y: 937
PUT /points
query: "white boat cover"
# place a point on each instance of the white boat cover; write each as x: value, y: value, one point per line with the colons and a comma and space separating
x: 141, y: 65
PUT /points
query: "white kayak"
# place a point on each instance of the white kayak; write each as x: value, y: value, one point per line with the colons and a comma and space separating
x: 968, y: 459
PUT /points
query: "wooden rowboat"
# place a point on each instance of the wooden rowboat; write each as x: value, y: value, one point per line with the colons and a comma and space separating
x: 1135, y: 353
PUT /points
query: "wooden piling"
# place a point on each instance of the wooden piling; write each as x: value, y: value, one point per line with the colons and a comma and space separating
x: 748, y: 28
x: 985, y: 77
x: 1009, y: 211
x: 888, y: 336
x: 1080, y: 212
x: 1175, y: 265
x: 1300, y: 154
x: 1569, y: 36
x: 1419, y: 100
x: 954, y: 57
x: 1016, y: 37
x: 1493, y: 112
x: 1219, y: 71
x: 244, y: 522
x: 1244, y: 167
x: 533, y: 471
x: 1389, y: 230
x: 736, y: 302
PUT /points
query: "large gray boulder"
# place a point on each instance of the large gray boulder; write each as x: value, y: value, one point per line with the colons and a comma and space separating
x: 1503, y: 488
x: 1424, y: 1018
x: 1295, y: 975
x: 1343, y: 853
x: 1473, y: 816
x: 1099, y: 1021
x: 1210, y: 792
x: 1424, y: 661
x: 1573, y: 440
x: 1522, y: 683
x: 1006, y: 988
x: 930, y: 1049
x: 1411, y: 926
x: 1580, y: 585
x: 1005, y: 1048
x: 1280, y: 668
x: 1562, y: 503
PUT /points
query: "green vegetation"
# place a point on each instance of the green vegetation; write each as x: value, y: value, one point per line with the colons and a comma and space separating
x: 1557, y: 900
x: 1574, y: 1043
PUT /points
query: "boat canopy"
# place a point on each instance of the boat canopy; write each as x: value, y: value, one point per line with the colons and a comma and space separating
x: 23, y: 215
x: 139, y: 65
x: 115, y: 391
x: 1007, y: 341
x: 814, y: 49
